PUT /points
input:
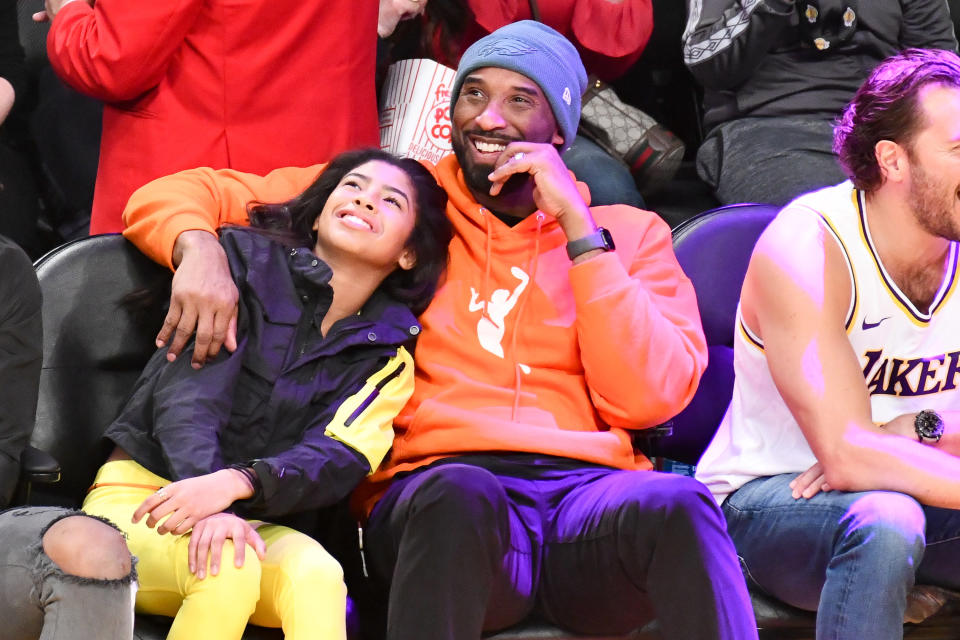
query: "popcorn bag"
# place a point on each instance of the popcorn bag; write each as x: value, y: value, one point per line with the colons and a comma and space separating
x: 415, y: 110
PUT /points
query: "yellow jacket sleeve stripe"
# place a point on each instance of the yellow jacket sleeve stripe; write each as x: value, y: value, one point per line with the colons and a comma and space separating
x: 364, y: 421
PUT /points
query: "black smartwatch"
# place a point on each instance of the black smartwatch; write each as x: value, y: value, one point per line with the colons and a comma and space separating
x: 929, y: 426
x: 599, y: 239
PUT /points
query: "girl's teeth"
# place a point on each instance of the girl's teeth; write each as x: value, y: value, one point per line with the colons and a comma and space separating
x: 357, y: 220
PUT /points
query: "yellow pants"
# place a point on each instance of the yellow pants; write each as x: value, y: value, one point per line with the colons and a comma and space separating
x: 298, y: 586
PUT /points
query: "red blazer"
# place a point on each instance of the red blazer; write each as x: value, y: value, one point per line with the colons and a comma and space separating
x: 243, y: 84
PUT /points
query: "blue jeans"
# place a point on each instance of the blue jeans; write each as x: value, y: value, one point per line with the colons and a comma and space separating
x: 851, y: 557
x: 608, y: 178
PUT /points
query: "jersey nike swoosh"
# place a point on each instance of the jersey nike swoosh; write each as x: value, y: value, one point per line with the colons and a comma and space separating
x: 870, y: 325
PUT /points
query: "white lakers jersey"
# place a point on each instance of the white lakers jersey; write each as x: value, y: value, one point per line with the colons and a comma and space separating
x: 910, y: 358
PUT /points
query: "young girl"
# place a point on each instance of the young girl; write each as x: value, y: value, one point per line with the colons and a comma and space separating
x: 293, y: 419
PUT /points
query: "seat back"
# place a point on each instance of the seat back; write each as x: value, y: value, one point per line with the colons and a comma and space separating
x: 93, y: 351
x: 714, y: 250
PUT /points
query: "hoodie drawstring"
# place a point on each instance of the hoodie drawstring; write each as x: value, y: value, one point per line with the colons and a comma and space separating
x: 485, y: 288
x: 519, y: 318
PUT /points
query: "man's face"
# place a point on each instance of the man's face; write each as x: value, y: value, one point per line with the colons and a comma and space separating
x: 496, y: 107
x: 934, y: 157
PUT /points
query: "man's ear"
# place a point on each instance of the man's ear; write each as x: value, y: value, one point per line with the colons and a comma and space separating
x: 892, y: 160
x: 408, y: 259
x: 557, y: 139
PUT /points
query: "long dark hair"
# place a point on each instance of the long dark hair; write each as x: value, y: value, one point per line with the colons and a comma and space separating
x: 291, y: 222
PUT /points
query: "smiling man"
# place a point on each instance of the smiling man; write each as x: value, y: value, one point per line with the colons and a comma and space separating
x: 836, y: 462
x: 513, y: 486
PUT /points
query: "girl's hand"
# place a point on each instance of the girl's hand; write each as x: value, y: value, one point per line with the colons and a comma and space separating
x: 209, y: 535
x: 188, y: 501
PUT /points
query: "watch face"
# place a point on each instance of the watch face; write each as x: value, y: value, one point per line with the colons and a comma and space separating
x: 929, y: 425
x: 607, y: 239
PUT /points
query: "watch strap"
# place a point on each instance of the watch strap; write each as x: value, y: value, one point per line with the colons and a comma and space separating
x: 599, y: 239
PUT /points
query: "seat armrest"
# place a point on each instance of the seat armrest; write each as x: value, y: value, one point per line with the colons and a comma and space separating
x: 38, y: 466
x: 647, y: 441
x: 643, y: 439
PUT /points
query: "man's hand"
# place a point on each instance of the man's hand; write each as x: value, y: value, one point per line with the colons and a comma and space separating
x: 51, y: 8
x: 209, y: 535
x: 812, y: 481
x: 554, y: 192
x: 203, y: 298
x: 188, y: 501
x: 809, y: 483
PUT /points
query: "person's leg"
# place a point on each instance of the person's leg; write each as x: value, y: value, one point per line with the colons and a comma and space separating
x: 768, y: 160
x: 626, y: 546
x: 608, y: 178
x: 940, y: 569
x: 64, y: 575
x: 941, y: 558
x: 455, y: 553
x: 849, y: 556
x: 21, y: 346
x: 301, y: 589
x: 92, y: 585
x: 215, y: 608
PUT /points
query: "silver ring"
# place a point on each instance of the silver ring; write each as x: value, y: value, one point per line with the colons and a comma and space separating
x: 519, y: 156
x: 162, y: 492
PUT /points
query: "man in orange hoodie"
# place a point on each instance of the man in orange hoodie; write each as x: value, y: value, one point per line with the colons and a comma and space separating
x: 512, y: 486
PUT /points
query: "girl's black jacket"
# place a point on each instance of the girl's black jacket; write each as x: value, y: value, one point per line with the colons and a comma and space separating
x: 312, y: 414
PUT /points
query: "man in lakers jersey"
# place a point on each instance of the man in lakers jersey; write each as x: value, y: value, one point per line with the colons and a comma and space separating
x: 836, y: 464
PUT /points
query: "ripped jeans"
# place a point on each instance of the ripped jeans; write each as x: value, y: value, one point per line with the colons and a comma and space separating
x: 39, y: 600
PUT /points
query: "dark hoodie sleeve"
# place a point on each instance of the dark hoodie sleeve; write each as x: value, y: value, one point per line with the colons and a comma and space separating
x: 20, y: 356
x: 726, y: 40
x: 927, y: 25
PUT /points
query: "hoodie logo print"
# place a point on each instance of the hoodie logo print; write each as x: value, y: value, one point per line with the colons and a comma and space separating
x: 490, y: 327
x: 506, y: 47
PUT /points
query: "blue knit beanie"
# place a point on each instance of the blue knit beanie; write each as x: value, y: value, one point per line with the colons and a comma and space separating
x: 540, y: 53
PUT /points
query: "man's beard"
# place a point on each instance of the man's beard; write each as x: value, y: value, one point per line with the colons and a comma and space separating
x: 475, y: 174
x: 934, y: 210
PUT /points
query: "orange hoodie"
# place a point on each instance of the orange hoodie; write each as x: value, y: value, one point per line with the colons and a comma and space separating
x: 520, y: 350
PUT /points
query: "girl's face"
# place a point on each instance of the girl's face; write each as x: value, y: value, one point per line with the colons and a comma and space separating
x: 368, y: 218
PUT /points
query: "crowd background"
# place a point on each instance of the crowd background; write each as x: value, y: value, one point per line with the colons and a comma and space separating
x: 50, y: 141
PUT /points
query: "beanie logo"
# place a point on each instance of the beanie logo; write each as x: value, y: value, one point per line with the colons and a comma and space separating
x: 566, y: 95
x: 506, y: 47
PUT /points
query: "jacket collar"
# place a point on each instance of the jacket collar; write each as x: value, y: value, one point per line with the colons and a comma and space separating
x: 383, y: 319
